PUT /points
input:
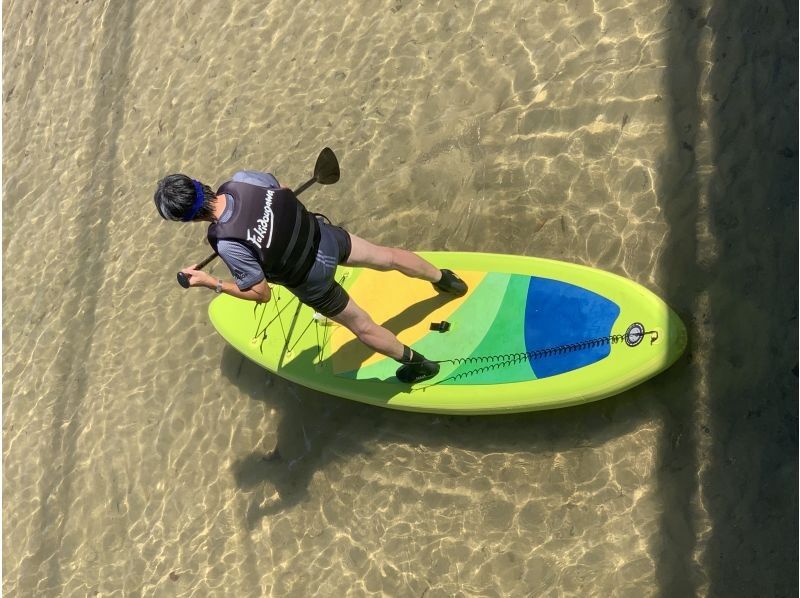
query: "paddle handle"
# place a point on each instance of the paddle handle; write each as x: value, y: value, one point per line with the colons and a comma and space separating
x: 183, y: 280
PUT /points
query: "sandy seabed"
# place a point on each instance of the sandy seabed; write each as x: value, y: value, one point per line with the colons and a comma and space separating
x: 653, y: 139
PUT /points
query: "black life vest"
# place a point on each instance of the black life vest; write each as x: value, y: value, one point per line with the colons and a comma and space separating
x: 275, y: 225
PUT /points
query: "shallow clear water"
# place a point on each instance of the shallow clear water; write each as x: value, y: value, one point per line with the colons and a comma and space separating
x: 653, y: 139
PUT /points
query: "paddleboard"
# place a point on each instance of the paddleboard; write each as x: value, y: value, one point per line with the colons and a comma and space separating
x: 530, y: 334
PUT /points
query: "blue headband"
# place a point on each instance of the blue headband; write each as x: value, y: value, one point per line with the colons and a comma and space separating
x: 198, y: 201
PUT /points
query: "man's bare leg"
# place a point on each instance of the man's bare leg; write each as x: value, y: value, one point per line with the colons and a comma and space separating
x: 366, y: 254
x: 415, y: 368
x: 376, y: 337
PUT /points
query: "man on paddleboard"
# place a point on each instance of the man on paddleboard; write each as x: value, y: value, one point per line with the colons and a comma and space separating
x: 264, y: 234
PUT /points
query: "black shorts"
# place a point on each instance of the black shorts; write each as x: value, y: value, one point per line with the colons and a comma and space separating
x: 320, y: 289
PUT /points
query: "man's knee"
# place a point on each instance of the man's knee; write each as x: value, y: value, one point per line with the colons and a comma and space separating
x: 388, y: 257
x: 363, y: 327
x: 355, y: 319
x: 382, y: 258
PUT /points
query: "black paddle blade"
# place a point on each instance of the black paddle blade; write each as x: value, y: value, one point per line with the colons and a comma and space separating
x: 326, y: 170
x: 182, y: 280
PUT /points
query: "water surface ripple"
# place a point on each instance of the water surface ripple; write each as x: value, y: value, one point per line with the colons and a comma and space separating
x: 653, y: 139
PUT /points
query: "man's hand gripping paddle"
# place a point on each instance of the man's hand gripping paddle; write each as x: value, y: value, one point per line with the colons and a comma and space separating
x: 326, y: 172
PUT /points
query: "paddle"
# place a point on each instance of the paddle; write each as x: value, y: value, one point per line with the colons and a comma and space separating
x: 326, y: 172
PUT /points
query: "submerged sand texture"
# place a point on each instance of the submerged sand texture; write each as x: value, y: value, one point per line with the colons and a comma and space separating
x: 653, y: 139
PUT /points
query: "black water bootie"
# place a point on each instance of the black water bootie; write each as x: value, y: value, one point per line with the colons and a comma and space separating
x: 415, y: 368
x: 451, y: 284
x: 412, y: 373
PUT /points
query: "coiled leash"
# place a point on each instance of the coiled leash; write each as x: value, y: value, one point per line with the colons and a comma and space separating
x: 632, y: 337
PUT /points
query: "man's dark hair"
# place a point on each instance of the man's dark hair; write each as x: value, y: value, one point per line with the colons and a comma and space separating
x: 175, y: 196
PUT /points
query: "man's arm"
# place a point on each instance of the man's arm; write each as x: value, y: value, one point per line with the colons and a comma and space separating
x: 249, y: 282
x: 258, y: 292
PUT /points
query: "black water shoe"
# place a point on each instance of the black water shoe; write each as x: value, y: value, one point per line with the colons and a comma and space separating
x: 411, y: 373
x: 416, y: 367
x: 451, y: 284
